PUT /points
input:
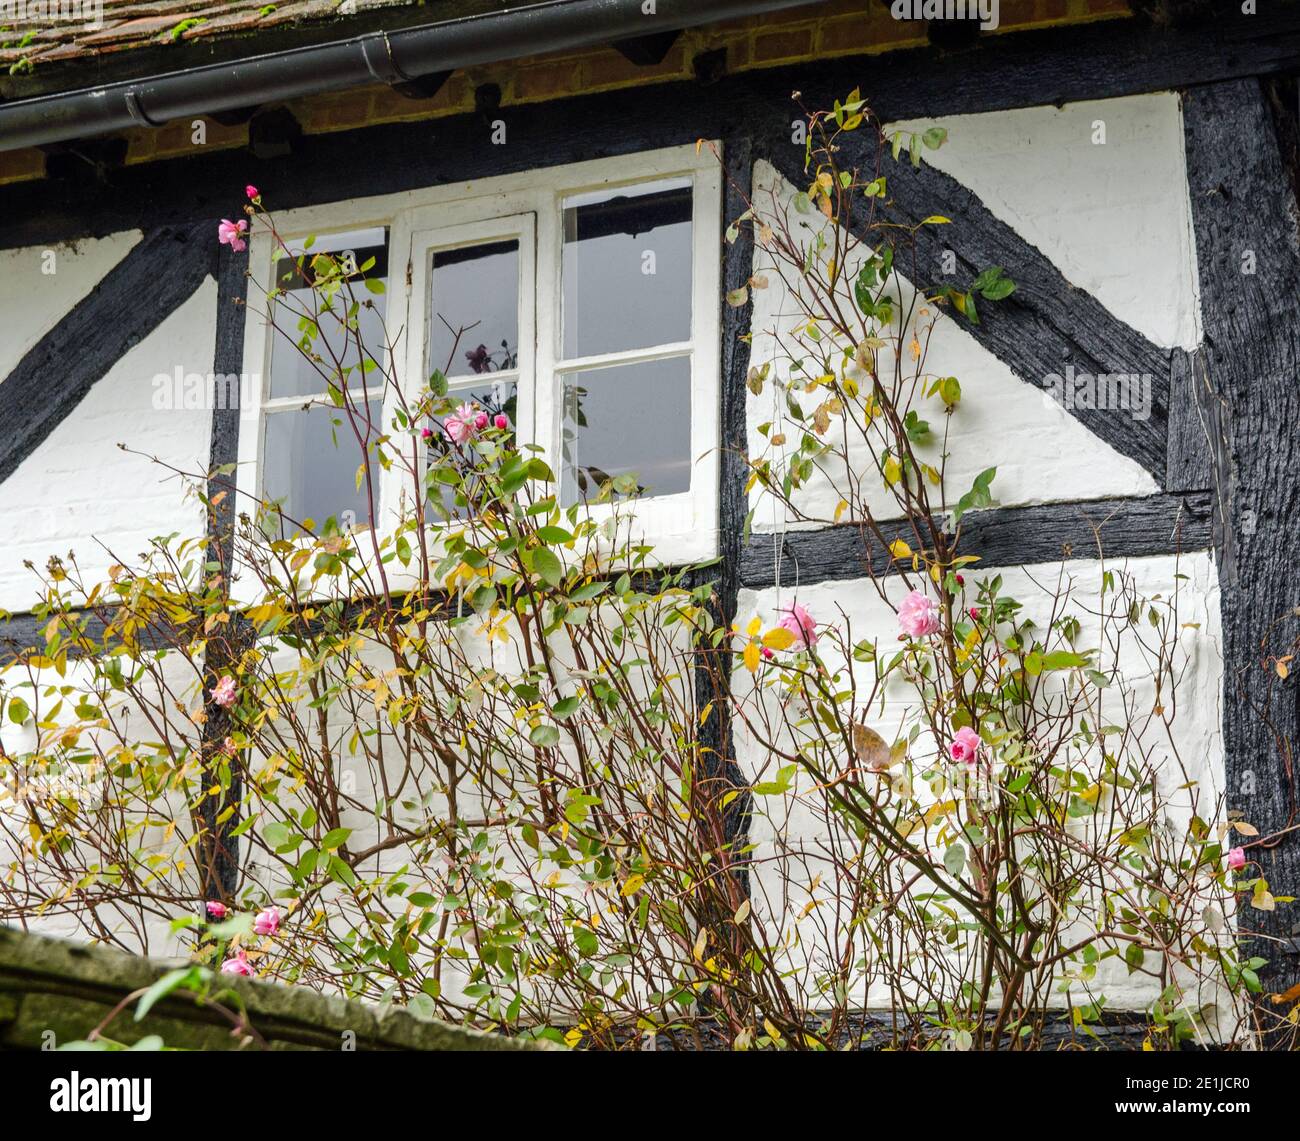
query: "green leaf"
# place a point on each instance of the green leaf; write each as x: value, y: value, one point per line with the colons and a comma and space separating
x: 980, y: 494
x: 566, y: 707
x: 335, y: 838
x: 546, y: 564
x: 1134, y: 956
x: 545, y: 736
x: 189, y: 978
x: 340, y: 872
x: 229, y: 928
x: 276, y: 835
x: 954, y: 859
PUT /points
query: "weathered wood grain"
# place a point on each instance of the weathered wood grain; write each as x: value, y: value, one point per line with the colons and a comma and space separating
x: 1001, y: 537
x: 1248, y: 256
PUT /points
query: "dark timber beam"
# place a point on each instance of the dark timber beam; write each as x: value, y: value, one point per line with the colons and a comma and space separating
x: 1115, y: 529
x: 1020, y: 69
x: 158, y: 275
x: 1248, y: 254
x: 219, y: 852
x: 738, y: 267
x: 1046, y: 325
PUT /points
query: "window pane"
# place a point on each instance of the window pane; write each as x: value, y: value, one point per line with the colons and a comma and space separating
x: 633, y: 418
x: 627, y: 270
x: 497, y: 397
x: 335, y: 344
x: 311, y: 464
x: 474, y: 309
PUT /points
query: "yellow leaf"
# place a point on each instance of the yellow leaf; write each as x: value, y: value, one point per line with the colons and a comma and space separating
x: 1291, y: 995
x: 633, y: 885
x: 742, y: 913
x: 841, y: 507
x: 941, y: 809
x: 755, y: 625
x: 753, y: 655
x: 893, y: 472
x: 778, y: 638
x: 899, y: 549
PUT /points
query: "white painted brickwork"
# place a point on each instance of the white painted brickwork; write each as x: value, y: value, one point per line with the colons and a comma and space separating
x: 78, y: 491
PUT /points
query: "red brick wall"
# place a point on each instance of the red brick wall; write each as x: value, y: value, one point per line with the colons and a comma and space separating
x: 820, y: 31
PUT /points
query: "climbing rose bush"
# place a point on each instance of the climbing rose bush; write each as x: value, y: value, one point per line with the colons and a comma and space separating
x: 492, y: 761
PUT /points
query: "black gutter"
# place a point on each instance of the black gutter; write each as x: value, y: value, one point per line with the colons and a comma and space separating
x: 378, y: 57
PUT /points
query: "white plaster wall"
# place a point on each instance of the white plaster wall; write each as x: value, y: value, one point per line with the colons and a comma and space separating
x: 34, y: 300
x: 1194, y: 747
x: 1113, y: 216
x: 79, y: 492
x: 1041, y: 452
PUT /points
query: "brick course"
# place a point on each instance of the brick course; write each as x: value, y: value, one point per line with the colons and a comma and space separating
x: 844, y: 27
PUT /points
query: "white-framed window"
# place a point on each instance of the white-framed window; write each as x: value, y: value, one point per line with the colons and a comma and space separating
x: 583, y: 300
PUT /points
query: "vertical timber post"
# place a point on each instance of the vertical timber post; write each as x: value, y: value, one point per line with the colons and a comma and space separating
x: 1248, y: 256
x: 220, y: 856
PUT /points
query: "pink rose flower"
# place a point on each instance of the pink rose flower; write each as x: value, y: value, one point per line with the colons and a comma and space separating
x: 918, y: 617
x: 231, y: 234
x: 974, y: 613
x: 216, y: 910
x: 457, y: 429
x: 464, y: 422
x: 800, y: 623
x: 1237, y: 859
x: 959, y: 580
x: 481, y: 421
x: 267, y: 922
x: 223, y: 693
x: 252, y: 192
x: 238, y: 965
x: 965, y: 745
x: 228, y: 747
x: 426, y: 434
x: 502, y: 421
x: 767, y: 652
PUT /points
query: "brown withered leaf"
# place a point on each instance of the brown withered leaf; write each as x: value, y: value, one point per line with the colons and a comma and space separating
x: 870, y: 748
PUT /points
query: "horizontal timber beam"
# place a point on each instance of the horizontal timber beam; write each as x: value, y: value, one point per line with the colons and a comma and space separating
x: 1001, y: 537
